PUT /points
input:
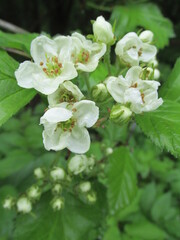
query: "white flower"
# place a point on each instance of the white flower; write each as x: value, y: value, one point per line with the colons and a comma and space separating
x: 67, y: 92
x: 142, y: 95
x: 24, y: 205
x: 146, y: 36
x: 77, y: 164
x: 57, y: 203
x: 57, y: 188
x: 82, y: 52
x: 132, y: 50
x: 57, y: 174
x: 85, y: 187
x: 49, y: 68
x: 65, y: 126
x: 38, y: 172
x: 103, y: 30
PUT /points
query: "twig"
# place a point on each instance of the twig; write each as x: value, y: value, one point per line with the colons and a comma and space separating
x: 15, y: 51
x: 11, y: 27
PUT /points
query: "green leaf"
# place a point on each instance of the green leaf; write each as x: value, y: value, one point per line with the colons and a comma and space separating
x: 121, y: 179
x: 15, y: 161
x: 171, y: 88
x: 148, y: 197
x: 12, y: 97
x: 76, y: 221
x: 163, y: 126
x: 145, y: 230
x: 18, y: 41
x: 148, y: 16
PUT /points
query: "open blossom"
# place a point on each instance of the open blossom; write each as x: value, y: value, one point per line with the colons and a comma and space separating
x: 82, y: 52
x: 49, y: 69
x: 67, y: 92
x: 103, y: 30
x: 142, y: 95
x: 65, y: 126
x: 132, y: 50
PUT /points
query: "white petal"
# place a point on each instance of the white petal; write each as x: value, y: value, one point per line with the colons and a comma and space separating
x: 87, y: 113
x: 116, y: 87
x: 153, y: 105
x: 132, y: 75
x: 25, y: 74
x: 133, y: 95
x: 74, y: 90
x: 57, y: 141
x: 42, y: 47
x: 79, y: 140
x: 55, y: 115
x: 68, y: 72
x: 148, y: 52
x: 64, y: 44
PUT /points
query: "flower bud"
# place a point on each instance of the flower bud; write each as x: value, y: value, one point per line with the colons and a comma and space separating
x: 57, y: 189
x: 120, y: 114
x: 24, y: 205
x: 103, y: 30
x: 100, y: 92
x: 57, y: 174
x: 91, y: 197
x: 57, y: 203
x: 39, y: 173
x: 8, y: 203
x: 156, y: 74
x: 154, y: 63
x: 90, y: 165
x: 34, y: 192
x: 77, y: 164
x: 85, y: 187
x: 109, y: 151
x: 146, y: 36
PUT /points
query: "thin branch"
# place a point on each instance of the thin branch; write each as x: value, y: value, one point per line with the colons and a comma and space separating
x: 15, y: 51
x: 99, y: 7
x: 11, y: 27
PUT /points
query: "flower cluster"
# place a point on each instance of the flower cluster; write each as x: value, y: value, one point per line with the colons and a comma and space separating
x: 56, y: 178
x: 56, y: 69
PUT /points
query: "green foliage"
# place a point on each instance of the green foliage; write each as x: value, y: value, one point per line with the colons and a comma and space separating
x: 76, y: 221
x: 121, y: 179
x: 12, y: 97
x: 17, y: 41
x: 128, y: 18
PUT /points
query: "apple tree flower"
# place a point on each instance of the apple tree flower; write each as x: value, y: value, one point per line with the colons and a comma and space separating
x: 146, y: 36
x: 103, y: 31
x: 82, y: 52
x: 141, y: 95
x: 49, y: 69
x: 65, y: 126
x: 132, y: 50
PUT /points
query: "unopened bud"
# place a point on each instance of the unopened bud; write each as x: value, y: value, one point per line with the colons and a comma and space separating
x: 103, y: 30
x: 57, y: 203
x: 34, y: 192
x: 39, y: 173
x: 77, y: 164
x: 85, y: 187
x: 8, y: 203
x: 24, y: 205
x: 90, y: 164
x: 57, y: 188
x: 120, y: 114
x: 109, y: 151
x: 156, y: 74
x: 57, y: 174
x: 100, y: 92
x: 91, y: 197
x: 146, y: 36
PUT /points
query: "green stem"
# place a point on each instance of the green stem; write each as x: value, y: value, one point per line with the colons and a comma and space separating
x: 86, y: 79
x: 107, y: 60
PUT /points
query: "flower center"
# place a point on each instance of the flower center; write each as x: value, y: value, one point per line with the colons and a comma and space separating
x: 52, y: 67
x: 67, y: 97
x: 82, y: 56
x: 67, y: 125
